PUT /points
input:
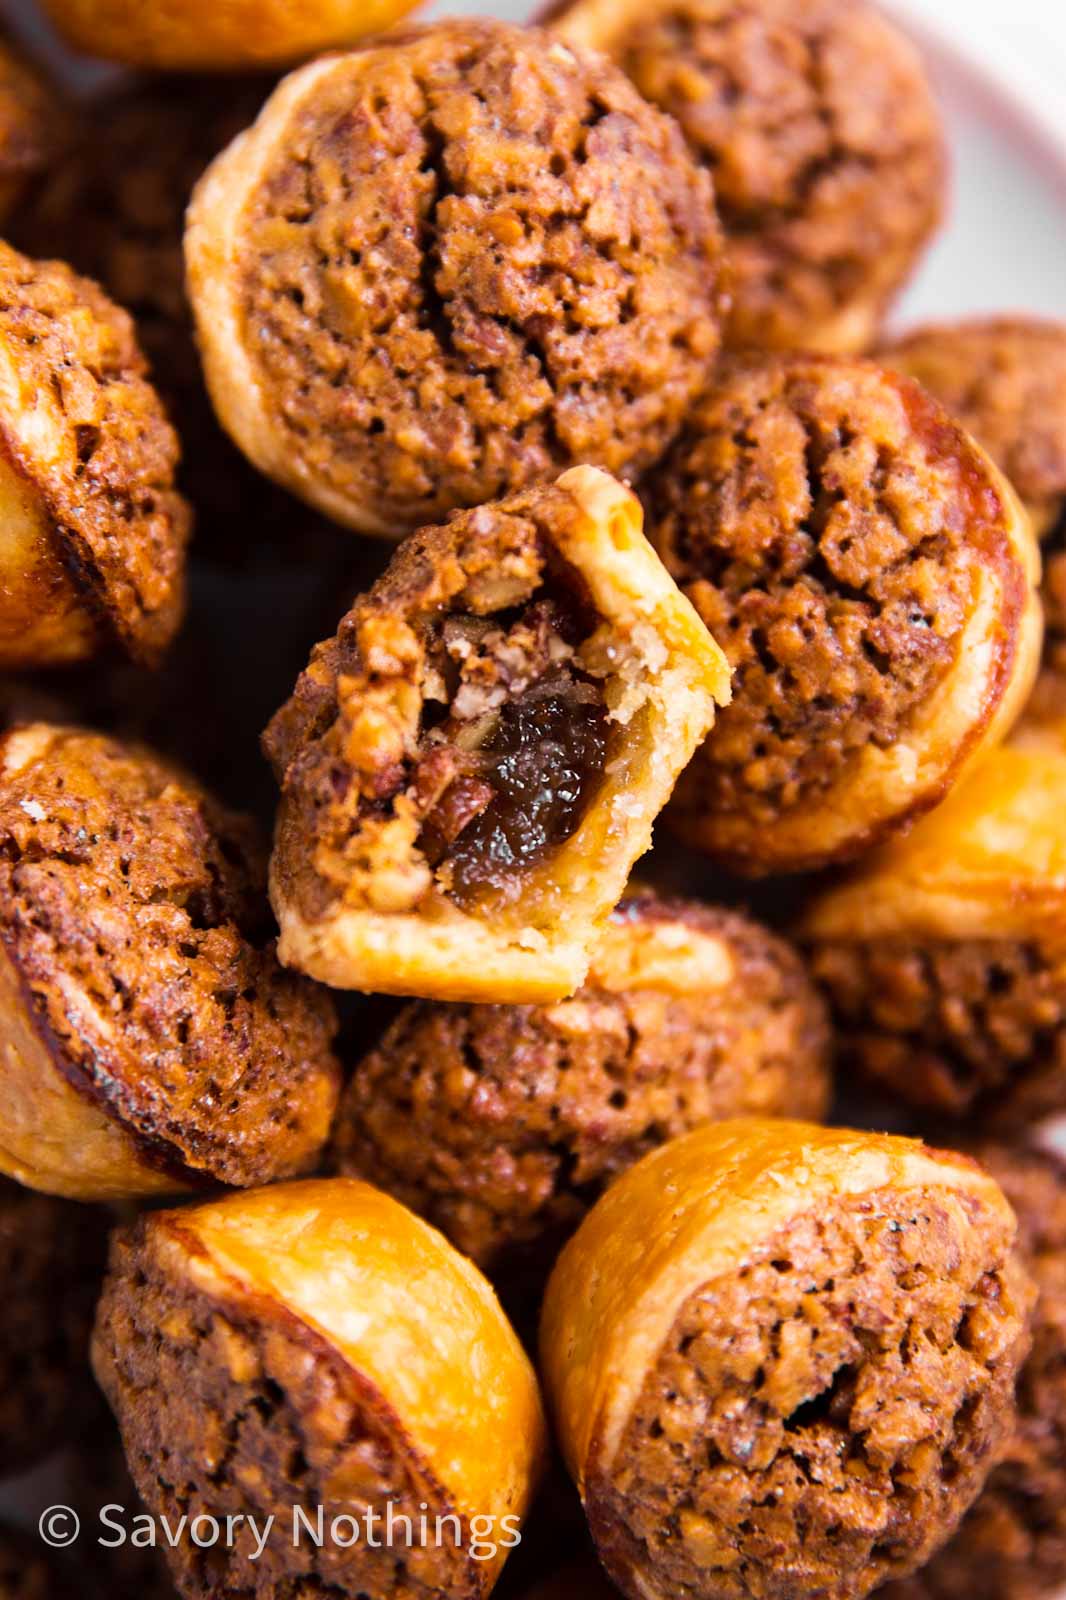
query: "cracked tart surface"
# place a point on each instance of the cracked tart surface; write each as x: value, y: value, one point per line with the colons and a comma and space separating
x: 817, y: 124
x: 501, y: 1124
x: 872, y: 579
x: 420, y: 282
x: 471, y: 766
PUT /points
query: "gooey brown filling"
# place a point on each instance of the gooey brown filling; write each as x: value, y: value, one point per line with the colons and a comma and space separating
x: 514, y: 747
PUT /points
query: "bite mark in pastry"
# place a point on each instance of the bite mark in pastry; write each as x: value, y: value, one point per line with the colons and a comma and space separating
x: 872, y: 579
x: 92, y: 530
x: 471, y: 766
x: 316, y: 1344
x: 441, y: 268
x: 1012, y: 1544
x: 782, y: 1359
x: 944, y: 954
x: 502, y: 1124
x: 237, y: 35
x: 149, y: 1039
x: 817, y: 124
x: 51, y: 1263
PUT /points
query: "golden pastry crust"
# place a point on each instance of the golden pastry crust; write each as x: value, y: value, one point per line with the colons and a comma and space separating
x: 944, y: 954
x: 51, y: 1264
x: 1012, y: 1544
x: 817, y: 123
x: 782, y: 1359
x: 471, y: 766
x: 114, y: 209
x: 33, y: 125
x: 150, y: 1040
x: 1004, y: 380
x: 317, y: 1344
x: 872, y: 579
x: 503, y: 305
x: 94, y: 531
x: 502, y: 1124
x: 240, y: 34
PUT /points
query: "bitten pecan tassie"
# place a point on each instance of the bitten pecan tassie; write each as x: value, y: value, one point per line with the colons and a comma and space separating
x: 33, y: 125
x: 150, y: 1038
x: 502, y: 1124
x: 471, y: 766
x: 315, y: 1345
x: 114, y: 208
x: 1012, y: 1544
x: 782, y: 1359
x: 943, y: 955
x: 1004, y: 378
x: 871, y: 578
x: 443, y: 267
x: 93, y: 553
x: 817, y: 123
x: 51, y: 1266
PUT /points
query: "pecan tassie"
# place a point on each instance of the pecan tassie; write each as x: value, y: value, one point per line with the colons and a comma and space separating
x: 449, y: 265
x: 471, y: 766
x: 150, y: 1038
x: 871, y: 577
x: 93, y: 554
x: 816, y: 122
x: 943, y: 955
x: 782, y: 1359
x: 317, y: 1345
x: 1012, y: 1544
x: 503, y: 1124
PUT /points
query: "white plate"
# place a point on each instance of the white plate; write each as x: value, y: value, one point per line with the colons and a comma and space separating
x: 1004, y: 249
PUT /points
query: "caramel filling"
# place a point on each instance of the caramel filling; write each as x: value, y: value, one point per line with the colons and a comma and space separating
x: 511, y: 764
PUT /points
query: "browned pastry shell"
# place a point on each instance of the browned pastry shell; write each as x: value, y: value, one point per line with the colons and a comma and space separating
x: 149, y: 1038
x: 317, y: 1345
x: 817, y: 124
x: 1012, y: 1544
x: 94, y: 530
x: 871, y: 578
x: 782, y: 1359
x: 502, y: 1124
x: 471, y: 766
x: 444, y: 267
x: 51, y: 1265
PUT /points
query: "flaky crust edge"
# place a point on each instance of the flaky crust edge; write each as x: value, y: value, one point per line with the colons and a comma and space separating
x: 689, y: 1213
